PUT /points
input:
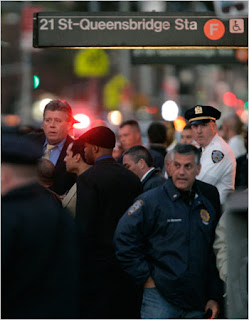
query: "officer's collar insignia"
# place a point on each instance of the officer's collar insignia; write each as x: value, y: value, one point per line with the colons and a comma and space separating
x: 175, y: 195
x: 217, y: 156
x: 198, y: 110
x: 136, y: 205
x: 204, y: 216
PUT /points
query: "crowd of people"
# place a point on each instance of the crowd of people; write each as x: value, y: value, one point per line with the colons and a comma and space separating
x: 104, y: 227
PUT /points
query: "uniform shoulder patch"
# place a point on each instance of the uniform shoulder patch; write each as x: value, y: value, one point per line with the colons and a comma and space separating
x: 217, y: 156
x: 136, y: 205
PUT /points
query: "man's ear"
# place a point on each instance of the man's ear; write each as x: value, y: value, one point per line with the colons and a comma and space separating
x: 141, y: 163
x: 198, y: 169
x: 77, y: 157
x: 95, y: 149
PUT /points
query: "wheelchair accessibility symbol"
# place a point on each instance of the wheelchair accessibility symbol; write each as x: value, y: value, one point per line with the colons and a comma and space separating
x: 236, y: 26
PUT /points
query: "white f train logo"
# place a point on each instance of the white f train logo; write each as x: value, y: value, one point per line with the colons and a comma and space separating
x: 212, y: 28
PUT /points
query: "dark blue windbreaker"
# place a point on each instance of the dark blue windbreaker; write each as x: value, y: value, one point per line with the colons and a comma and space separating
x: 162, y: 237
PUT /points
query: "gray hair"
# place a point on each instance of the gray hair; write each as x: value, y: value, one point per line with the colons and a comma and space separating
x: 59, y: 105
x: 187, y: 149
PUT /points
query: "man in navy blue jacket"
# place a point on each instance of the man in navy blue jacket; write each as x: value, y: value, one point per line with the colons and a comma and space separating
x: 164, y: 241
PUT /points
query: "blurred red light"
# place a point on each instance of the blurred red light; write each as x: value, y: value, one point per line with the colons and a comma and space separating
x: 151, y: 110
x: 240, y: 103
x: 229, y: 99
x: 239, y: 112
x: 83, y: 121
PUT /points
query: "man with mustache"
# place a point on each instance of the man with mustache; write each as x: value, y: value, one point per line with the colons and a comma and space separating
x: 218, y: 164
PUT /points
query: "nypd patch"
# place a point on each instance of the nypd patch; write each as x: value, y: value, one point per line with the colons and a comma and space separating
x: 204, y: 216
x: 136, y: 205
x: 217, y: 156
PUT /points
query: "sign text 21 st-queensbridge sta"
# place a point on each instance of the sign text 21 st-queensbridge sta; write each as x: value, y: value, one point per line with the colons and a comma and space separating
x: 133, y: 30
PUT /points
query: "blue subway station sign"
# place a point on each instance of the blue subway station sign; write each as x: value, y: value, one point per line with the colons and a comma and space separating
x: 137, y: 30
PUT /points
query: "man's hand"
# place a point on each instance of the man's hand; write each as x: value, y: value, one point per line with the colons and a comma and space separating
x: 149, y: 283
x: 214, y: 306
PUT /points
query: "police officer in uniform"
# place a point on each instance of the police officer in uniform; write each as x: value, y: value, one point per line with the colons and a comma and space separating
x: 164, y: 240
x: 218, y: 164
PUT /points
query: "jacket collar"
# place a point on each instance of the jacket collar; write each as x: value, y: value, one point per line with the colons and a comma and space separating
x: 174, y: 193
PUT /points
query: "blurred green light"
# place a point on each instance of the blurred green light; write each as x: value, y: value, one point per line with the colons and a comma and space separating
x: 36, y: 82
x: 246, y: 105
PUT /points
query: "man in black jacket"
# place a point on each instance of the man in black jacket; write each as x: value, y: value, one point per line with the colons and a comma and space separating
x: 57, y: 123
x: 104, y: 192
x: 40, y: 254
x: 139, y: 160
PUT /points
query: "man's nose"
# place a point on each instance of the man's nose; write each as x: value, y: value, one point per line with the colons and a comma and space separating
x: 52, y: 123
x: 181, y: 170
x: 199, y: 128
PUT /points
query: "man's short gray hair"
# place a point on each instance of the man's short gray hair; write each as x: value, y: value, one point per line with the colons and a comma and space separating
x: 187, y: 149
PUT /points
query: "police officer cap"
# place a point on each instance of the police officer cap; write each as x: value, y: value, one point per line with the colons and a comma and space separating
x: 19, y: 149
x: 101, y: 137
x: 202, y: 114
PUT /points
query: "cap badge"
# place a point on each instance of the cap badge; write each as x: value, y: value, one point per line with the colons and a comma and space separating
x: 217, y: 156
x: 204, y: 216
x: 198, y: 110
x: 136, y: 205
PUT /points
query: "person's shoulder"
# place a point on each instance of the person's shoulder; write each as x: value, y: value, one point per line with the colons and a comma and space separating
x: 206, y: 188
x: 220, y: 150
x: 156, y: 176
x: 89, y: 172
x: 154, y: 193
x: 222, y: 145
x: 129, y: 175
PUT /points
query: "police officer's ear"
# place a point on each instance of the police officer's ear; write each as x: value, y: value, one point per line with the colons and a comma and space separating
x: 214, y: 125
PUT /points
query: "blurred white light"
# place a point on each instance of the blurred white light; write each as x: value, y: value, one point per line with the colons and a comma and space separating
x: 38, y: 108
x: 43, y: 103
x: 115, y: 117
x: 169, y: 110
x: 84, y: 121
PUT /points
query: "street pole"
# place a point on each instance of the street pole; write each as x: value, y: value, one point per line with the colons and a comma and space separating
x: 26, y: 87
x: 124, y: 56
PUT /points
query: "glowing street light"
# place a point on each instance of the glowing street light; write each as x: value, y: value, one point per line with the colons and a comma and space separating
x: 169, y: 110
